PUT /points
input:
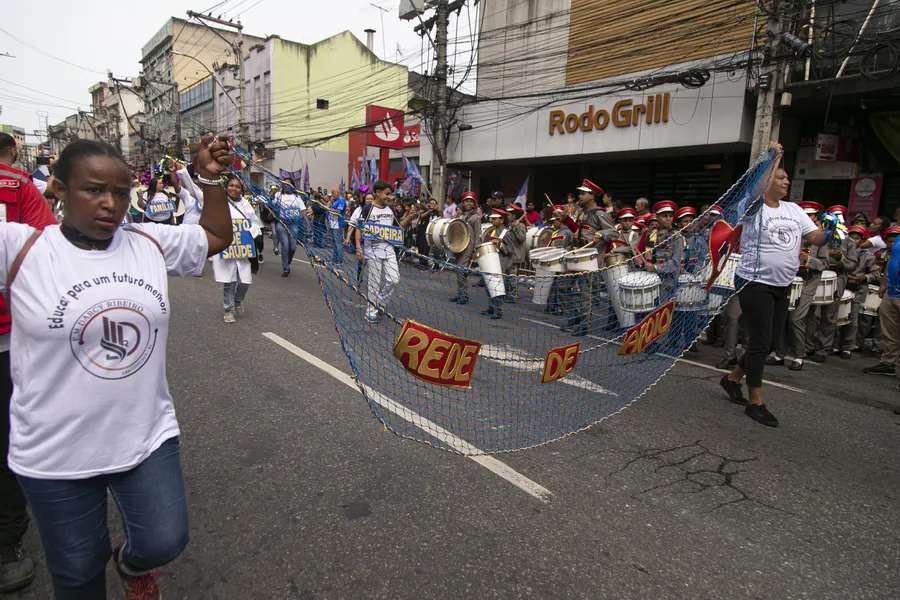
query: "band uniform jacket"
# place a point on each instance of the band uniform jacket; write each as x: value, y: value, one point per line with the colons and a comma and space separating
x: 596, y: 220
x: 501, y: 237
x: 472, y: 220
x: 867, y: 268
x: 666, y: 250
x: 517, y: 231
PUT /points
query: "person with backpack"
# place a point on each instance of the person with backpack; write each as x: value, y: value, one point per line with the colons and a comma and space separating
x: 377, y: 253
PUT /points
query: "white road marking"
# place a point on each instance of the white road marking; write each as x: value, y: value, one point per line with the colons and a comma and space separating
x: 684, y: 360
x: 302, y: 261
x: 514, y: 358
x: 488, y: 462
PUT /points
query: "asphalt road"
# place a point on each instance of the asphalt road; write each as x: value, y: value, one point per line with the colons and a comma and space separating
x: 297, y: 491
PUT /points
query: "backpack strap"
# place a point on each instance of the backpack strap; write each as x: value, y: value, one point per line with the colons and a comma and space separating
x: 17, y: 263
x: 148, y: 236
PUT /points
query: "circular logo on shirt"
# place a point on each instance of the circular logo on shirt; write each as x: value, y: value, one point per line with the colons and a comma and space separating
x: 114, y: 338
x: 782, y: 234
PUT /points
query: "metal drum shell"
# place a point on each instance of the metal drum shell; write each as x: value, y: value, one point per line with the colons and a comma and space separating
x: 538, y: 237
x: 448, y: 234
x: 826, y: 289
x: 582, y: 260
x: 872, y: 304
x: 845, y: 306
x: 638, y: 291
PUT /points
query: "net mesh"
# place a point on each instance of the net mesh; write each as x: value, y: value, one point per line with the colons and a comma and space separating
x: 452, y: 377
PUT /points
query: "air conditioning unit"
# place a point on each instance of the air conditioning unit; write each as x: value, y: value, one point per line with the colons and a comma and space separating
x: 410, y: 9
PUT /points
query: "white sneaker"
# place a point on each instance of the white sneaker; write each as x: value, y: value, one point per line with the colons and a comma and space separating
x: 238, y: 307
x: 229, y: 317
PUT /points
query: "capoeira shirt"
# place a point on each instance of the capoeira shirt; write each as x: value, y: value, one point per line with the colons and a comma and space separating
x: 88, y: 359
x: 381, y: 216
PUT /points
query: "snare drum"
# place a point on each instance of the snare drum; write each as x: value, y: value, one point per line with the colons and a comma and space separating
x: 613, y: 259
x: 691, y: 296
x: 546, y: 265
x: 844, y: 306
x: 538, y: 237
x: 796, y: 290
x: 582, y: 260
x: 870, y: 306
x: 726, y: 276
x: 488, y: 257
x: 638, y: 291
x: 827, y: 287
x: 448, y: 235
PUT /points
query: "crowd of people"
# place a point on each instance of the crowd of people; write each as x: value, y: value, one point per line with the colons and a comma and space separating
x: 804, y: 294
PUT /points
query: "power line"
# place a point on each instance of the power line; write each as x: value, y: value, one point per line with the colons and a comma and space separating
x: 47, y: 54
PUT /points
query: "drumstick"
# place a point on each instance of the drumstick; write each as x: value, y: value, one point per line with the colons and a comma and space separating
x: 548, y: 199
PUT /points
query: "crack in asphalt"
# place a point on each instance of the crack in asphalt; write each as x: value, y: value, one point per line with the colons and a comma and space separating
x: 702, y: 479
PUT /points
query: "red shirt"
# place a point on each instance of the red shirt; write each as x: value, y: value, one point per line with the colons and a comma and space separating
x: 22, y: 203
x: 533, y: 217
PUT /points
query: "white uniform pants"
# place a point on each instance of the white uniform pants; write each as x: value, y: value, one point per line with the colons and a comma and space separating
x: 383, y: 275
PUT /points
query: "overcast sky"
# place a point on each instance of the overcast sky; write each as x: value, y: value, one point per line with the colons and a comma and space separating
x: 97, y: 35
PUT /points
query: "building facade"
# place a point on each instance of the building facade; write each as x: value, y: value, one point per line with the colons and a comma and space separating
x: 309, y: 105
x: 631, y: 95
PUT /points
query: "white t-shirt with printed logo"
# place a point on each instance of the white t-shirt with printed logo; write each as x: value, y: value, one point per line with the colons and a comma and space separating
x: 380, y: 216
x: 88, y: 357
x: 770, y: 243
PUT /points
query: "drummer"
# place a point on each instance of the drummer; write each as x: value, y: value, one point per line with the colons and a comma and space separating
x: 857, y: 282
x: 516, y: 242
x: 626, y: 228
x: 593, y: 229
x: 695, y: 253
x: 470, y: 217
x: 498, y: 234
x: 843, y: 260
x: 562, y: 238
x: 666, y: 250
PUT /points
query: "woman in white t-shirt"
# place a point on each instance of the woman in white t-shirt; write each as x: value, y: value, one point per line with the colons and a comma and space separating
x: 770, y: 256
x: 232, y: 268
x: 290, y: 225
x: 91, y: 409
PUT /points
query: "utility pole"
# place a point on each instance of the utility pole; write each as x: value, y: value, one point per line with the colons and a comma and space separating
x: 238, y: 49
x: 767, y: 125
x: 179, y: 139
x: 439, y: 152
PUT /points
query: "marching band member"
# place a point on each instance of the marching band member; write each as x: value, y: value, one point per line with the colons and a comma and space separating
x: 498, y: 234
x: 888, y: 318
x: 627, y: 230
x: 694, y: 259
x: 843, y: 261
x: 382, y: 271
x: 594, y: 228
x: 470, y: 217
x: 516, y: 240
x: 562, y: 238
x: 652, y: 221
x: 858, y: 283
x: 770, y: 244
x: 813, y: 260
x: 235, y: 273
x: 666, y: 249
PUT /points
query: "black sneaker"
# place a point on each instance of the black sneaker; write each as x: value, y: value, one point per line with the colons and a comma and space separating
x: 796, y: 365
x: 880, y: 369
x: 16, y: 568
x: 845, y: 354
x: 774, y: 361
x: 734, y: 390
x: 761, y: 414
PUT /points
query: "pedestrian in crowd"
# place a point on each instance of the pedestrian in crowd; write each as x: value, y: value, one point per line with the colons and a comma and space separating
x: 532, y: 214
x: 889, y: 310
x: 573, y: 211
x: 21, y: 202
x: 874, y: 240
x: 337, y: 214
x: 450, y: 209
x: 770, y: 255
x: 382, y: 271
x: 236, y: 273
x: 290, y: 225
x: 494, y: 201
x: 642, y: 207
x: 157, y: 204
x: 96, y: 418
x: 194, y: 204
x: 368, y: 198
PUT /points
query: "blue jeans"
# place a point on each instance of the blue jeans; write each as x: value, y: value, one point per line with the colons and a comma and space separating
x: 234, y: 291
x: 71, y: 520
x: 288, y: 245
x: 337, y: 244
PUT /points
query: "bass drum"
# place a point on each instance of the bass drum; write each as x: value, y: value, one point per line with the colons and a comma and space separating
x: 538, y: 237
x: 448, y: 235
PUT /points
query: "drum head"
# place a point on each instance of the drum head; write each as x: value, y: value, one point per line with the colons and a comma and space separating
x: 457, y: 237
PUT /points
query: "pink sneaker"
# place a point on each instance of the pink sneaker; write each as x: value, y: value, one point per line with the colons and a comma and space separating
x: 140, y: 587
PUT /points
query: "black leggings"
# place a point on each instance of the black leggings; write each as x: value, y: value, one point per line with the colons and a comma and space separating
x: 765, y: 309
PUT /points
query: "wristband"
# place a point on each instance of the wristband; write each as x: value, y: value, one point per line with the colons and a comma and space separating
x: 205, y: 181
